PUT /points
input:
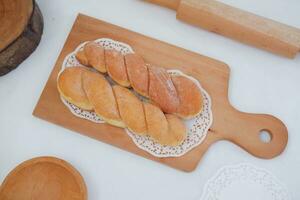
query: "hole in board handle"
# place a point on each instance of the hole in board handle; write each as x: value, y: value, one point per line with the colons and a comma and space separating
x: 265, y: 136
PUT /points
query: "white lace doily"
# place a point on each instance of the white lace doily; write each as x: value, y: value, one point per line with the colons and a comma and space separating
x: 244, y: 181
x: 197, y: 127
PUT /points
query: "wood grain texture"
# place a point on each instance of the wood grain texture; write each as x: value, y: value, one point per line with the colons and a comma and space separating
x: 14, y: 17
x: 241, y: 25
x: 229, y: 124
x: 18, y: 40
x: 237, y: 24
x: 172, y: 4
x: 44, y: 178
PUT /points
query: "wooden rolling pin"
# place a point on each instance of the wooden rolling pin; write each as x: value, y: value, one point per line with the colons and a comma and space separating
x: 237, y: 24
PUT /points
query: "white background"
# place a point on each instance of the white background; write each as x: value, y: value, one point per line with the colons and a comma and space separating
x: 260, y: 82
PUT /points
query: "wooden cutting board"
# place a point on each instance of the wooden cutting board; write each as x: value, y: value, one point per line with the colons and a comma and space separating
x: 230, y: 124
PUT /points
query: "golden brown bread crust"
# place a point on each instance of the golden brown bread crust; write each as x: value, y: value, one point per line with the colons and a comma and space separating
x: 150, y: 81
x: 119, y: 106
x: 101, y: 96
x: 81, y: 57
x: 116, y: 68
x: 161, y: 89
x: 191, y: 100
x: 131, y: 110
x: 137, y: 73
x: 70, y: 87
x: 165, y: 129
x: 156, y: 121
x: 95, y: 56
x: 177, y: 131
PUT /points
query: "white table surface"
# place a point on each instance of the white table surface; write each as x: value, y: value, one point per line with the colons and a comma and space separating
x: 260, y: 82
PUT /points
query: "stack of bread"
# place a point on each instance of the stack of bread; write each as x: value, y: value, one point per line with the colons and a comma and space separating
x: 171, y: 97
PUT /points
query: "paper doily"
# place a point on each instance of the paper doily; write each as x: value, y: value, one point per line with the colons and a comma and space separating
x: 244, y: 181
x: 197, y: 127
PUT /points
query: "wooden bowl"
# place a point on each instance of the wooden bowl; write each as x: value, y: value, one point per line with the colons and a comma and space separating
x: 44, y: 178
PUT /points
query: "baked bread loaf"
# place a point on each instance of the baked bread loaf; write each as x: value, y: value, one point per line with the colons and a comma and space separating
x: 70, y: 87
x: 94, y: 56
x: 189, y: 96
x: 180, y: 96
x: 115, y: 66
x: 137, y: 73
x: 118, y: 106
x: 131, y: 110
x: 101, y: 97
x: 161, y: 89
x: 165, y: 129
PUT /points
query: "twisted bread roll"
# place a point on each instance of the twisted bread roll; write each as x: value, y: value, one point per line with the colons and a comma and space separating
x: 101, y: 96
x: 173, y: 94
x: 70, y: 88
x: 118, y: 106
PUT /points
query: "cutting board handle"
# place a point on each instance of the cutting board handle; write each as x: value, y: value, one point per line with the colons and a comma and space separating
x: 247, y: 129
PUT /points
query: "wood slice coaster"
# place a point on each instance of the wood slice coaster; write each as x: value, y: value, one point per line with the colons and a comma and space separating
x: 20, y: 32
x: 44, y: 178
